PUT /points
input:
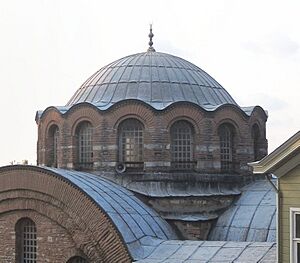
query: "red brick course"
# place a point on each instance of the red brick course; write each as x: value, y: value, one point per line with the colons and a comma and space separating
x: 68, y: 222
x: 156, y: 135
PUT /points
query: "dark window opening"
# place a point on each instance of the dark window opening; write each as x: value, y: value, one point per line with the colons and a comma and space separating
x: 182, y: 146
x: 255, y: 137
x: 53, y: 145
x: 131, y: 144
x: 26, y: 241
x: 84, y: 146
x: 226, y: 148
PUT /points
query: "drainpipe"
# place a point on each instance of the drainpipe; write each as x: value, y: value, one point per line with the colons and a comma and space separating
x: 272, y: 184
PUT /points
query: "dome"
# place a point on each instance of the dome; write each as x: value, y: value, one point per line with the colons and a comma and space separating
x: 156, y: 78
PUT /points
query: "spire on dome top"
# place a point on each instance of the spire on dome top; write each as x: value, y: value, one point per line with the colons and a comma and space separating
x: 151, y: 35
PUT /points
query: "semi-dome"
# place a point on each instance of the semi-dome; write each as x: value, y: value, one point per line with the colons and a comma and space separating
x: 156, y: 78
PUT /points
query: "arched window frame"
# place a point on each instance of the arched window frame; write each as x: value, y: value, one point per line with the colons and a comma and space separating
x: 227, y: 147
x: 77, y: 259
x: 182, y: 145
x: 26, y: 241
x: 53, y: 136
x: 255, y: 133
x: 131, y: 143
x: 84, y: 136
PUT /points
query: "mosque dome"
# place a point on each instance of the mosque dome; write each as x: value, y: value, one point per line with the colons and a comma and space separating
x: 155, y: 78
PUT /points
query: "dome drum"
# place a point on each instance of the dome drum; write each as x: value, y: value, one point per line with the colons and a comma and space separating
x: 164, y: 129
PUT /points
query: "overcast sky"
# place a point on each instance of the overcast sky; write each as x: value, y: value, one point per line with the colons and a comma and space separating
x: 50, y: 47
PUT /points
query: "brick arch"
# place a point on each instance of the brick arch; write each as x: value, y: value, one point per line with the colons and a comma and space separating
x: 260, y: 113
x: 51, y: 117
x: 49, y: 114
x: 257, y: 118
x: 121, y: 111
x: 186, y: 119
x: 41, y: 207
x: 189, y: 113
x: 77, y: 122
x: 49, y: 142
x: 236, y: 116
x: 74, y: 210
x: 232, y: 116
x: 127, y: 117
x: 83, y: 112
x: 230, y: 122
x: 78, y: 234
x: 50, y: 125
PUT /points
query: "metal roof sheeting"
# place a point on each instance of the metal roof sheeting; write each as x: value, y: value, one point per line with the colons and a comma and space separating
x: 180, y: 189
x: 174, y: 251
x: 158, y: 79
x: 251, y: 218
x: 140, y: 226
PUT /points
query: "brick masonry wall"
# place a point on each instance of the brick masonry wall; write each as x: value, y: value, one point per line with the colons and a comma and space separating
x: 157, y: 140
x: 68, y: 222
x: 54, y: 243
x: 193, y: 230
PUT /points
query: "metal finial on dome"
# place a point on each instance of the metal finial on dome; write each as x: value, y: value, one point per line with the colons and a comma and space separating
x: 151, y: 35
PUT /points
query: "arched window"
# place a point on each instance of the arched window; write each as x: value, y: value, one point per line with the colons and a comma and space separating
x: 131, y: 143
x: 84, y: 146
x: 255, y: 138
x: 77, y: 259
x: 53, y: 145
x: 182, y: 149
x: 226, y: 136
x: 26, y: 241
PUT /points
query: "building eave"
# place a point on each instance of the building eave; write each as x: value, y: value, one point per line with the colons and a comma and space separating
x: 279, y: 156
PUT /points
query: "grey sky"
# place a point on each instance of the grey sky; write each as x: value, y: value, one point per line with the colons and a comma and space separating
x: 50, y: 47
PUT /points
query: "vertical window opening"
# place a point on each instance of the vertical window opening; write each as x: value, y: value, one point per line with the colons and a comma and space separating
x: 182, y: 148
x: 131, y: 137
x: 53, y: 137
x: 84, y: 145
x: 255, y: 137
x: 26, y: 241
x: 226, y: 148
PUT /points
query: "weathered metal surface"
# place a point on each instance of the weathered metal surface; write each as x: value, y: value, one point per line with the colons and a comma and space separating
x: 251, y: 218
x: 183, y: 189
x: 155, y: 78
x: 212, y: 252
x: 140, y: 226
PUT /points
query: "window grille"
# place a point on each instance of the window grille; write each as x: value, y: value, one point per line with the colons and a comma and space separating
x: 26, y: 239
x: 131, y: 143
x: 182, y: 145
x: 77, y: 259
x: 226, y: 148
x: 85, y: 149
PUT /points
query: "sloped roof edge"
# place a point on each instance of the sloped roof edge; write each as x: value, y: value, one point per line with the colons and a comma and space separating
x: 280, y: 155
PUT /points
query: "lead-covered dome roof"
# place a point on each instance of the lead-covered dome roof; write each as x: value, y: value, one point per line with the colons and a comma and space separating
x: 156, y: 78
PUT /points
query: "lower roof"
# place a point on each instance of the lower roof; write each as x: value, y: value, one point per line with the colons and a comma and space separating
x: 139, y: 225
x: 175, y: 251
x: 251, y: 218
